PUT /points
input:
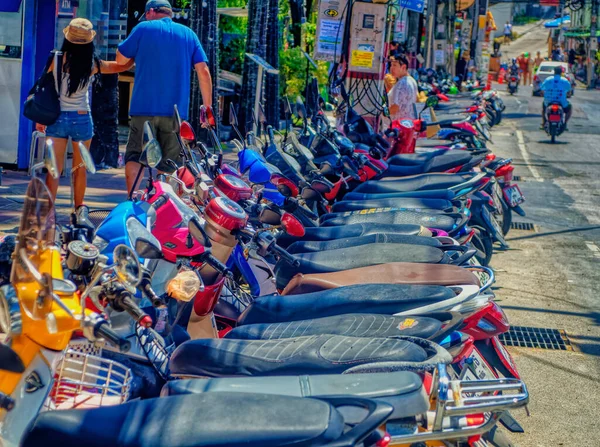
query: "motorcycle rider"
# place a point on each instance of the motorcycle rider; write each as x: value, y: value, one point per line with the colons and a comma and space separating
x: 555, y: 90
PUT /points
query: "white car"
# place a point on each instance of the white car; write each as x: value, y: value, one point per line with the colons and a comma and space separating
x: 547, y: 69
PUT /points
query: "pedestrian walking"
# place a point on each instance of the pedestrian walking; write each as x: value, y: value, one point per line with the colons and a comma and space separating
x: 572, y: 55
x: 507, y: 33
x: 537, y: 61
x: 79, y: 66
x: 523, y: 61
x: 403, y: 95
x: 165, y: 54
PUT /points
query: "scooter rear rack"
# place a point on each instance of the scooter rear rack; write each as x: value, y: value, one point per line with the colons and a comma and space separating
x: 457, y: 398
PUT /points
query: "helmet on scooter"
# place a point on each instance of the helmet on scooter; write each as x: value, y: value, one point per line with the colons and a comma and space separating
x: 453, y: 90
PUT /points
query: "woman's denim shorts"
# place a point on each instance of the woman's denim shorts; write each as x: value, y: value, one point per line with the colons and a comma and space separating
x: 76, y: 125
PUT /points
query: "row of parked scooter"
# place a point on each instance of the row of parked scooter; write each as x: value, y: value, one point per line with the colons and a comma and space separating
x: 327, y: 290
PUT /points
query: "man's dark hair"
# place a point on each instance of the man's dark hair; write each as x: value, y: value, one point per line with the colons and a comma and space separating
x: 400, y: 58
x: 558, y: 70
x: 164, y: 10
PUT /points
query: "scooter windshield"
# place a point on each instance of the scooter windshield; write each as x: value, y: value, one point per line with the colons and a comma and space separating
x: 36, y: 231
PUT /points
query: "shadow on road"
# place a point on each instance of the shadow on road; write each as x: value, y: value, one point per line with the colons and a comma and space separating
x: 556, y: 143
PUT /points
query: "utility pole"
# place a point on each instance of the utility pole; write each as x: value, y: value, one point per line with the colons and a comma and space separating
x: 593, y: 45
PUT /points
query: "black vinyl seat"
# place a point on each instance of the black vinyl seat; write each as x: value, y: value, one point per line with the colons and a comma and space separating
x: 401, y: 202
x: 349, y: 325
x: 347, y: 231
x: 355, y: 257
x: 317, y: 246
x: 386, y: 299
x: 194, y: 420
x: 439, y: 163
x: 414, y: 183
x: 416, y: 158
x: 315, y: 354
x: 441, y: 221
x: 403, y: 390
x: 446, y: 194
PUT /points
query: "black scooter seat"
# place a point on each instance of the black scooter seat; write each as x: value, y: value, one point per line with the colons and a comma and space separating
x: 386, y: 299
x: 404, y: 203
x: 432, y: 219
x: 315, y: 354
x: 317, y: 246
x: 414, y: 183
x: 403, y: 390
x: 440, y: 163
x: 349, y: 325
x: 356, y: 257
x: 345, y: 231
x: 194, y: 420
x: 446, y: 194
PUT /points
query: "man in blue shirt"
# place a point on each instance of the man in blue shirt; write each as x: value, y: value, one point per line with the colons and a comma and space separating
x: 555, y: 90
x: 165, y: 54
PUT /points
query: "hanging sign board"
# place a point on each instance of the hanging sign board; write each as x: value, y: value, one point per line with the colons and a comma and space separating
x: 330, y: 30
x: 413, y: 5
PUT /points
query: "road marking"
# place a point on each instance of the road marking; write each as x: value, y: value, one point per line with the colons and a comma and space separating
x: 593, y: 248
x: 518, y: 102
x: 525, y: 154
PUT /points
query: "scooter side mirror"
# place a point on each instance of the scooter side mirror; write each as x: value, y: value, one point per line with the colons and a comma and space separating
x: 284, y: 185
x: 292, y: 225
x: 269, y: 216
x: 187, y: 133
x: 320, y: 186
x: 127, y: 266
x: 87, y: 158
x: 432, y: 101
x: 148, y: 249
x: 309, y: 193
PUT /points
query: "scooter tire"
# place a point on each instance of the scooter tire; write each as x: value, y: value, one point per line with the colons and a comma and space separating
x: 553, y: 139
x: 483, y: 243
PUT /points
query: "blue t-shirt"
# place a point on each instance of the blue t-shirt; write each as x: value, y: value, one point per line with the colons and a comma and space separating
x: 165, y: 54
x: 555, y: 89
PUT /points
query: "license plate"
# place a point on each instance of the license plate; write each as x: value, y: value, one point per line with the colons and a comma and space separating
x: 554, y: 118
x: 513, y: 195
x: 478, y: 368
x: 512, y: 84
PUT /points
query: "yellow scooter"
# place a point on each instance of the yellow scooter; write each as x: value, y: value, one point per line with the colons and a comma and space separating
x: 41, y: 366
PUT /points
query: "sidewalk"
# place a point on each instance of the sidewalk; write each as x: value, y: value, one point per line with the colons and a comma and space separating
x: 522, y: 30
x: 105, y: 190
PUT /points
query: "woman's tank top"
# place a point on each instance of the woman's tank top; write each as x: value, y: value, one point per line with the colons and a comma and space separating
x: 79, y: 100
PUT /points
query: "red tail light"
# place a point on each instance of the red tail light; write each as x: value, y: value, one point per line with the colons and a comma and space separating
x: 505, y: 171
x: 482, y: 115
x: 490, y: 157
x: 469, y: 203
x: 536, y: 78
x: 554, y: 108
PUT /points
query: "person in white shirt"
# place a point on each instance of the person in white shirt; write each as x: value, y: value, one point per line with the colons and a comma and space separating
x: 507, y: 33
x: 403, y: 95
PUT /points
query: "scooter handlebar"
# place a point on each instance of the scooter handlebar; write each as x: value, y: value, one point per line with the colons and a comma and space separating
x: 283, y: 254
x: 103, y: 330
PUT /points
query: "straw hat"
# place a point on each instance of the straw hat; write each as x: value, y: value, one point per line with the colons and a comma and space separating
x: 80, y: 31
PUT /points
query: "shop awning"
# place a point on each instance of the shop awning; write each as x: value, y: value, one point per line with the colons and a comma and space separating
x: 558, y: 22
x: 10, y: 5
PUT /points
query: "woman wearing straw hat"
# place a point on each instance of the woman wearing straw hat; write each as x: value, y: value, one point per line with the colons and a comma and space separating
x: 79, y: 65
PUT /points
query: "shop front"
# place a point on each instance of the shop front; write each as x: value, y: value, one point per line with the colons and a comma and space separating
x: 29, y: 30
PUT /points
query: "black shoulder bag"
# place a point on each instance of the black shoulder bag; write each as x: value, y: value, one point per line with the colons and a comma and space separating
x: 43, y: 103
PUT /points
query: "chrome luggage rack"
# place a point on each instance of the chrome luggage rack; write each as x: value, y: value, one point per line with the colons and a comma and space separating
x: 463, y: 398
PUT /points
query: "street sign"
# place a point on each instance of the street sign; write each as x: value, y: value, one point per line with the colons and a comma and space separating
x: 413, y: 5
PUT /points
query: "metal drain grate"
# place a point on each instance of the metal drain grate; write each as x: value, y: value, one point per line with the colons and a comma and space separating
x: 526, y: 226
x: 536, y: 337
x: 517, y: 178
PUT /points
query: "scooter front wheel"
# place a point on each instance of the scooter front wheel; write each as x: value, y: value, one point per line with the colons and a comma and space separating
x: 482, y: 242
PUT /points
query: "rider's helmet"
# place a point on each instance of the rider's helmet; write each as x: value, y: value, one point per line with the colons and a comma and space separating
x: 514, y: 61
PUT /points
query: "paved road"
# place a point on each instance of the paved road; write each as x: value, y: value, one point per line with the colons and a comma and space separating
x: 551, y: 280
